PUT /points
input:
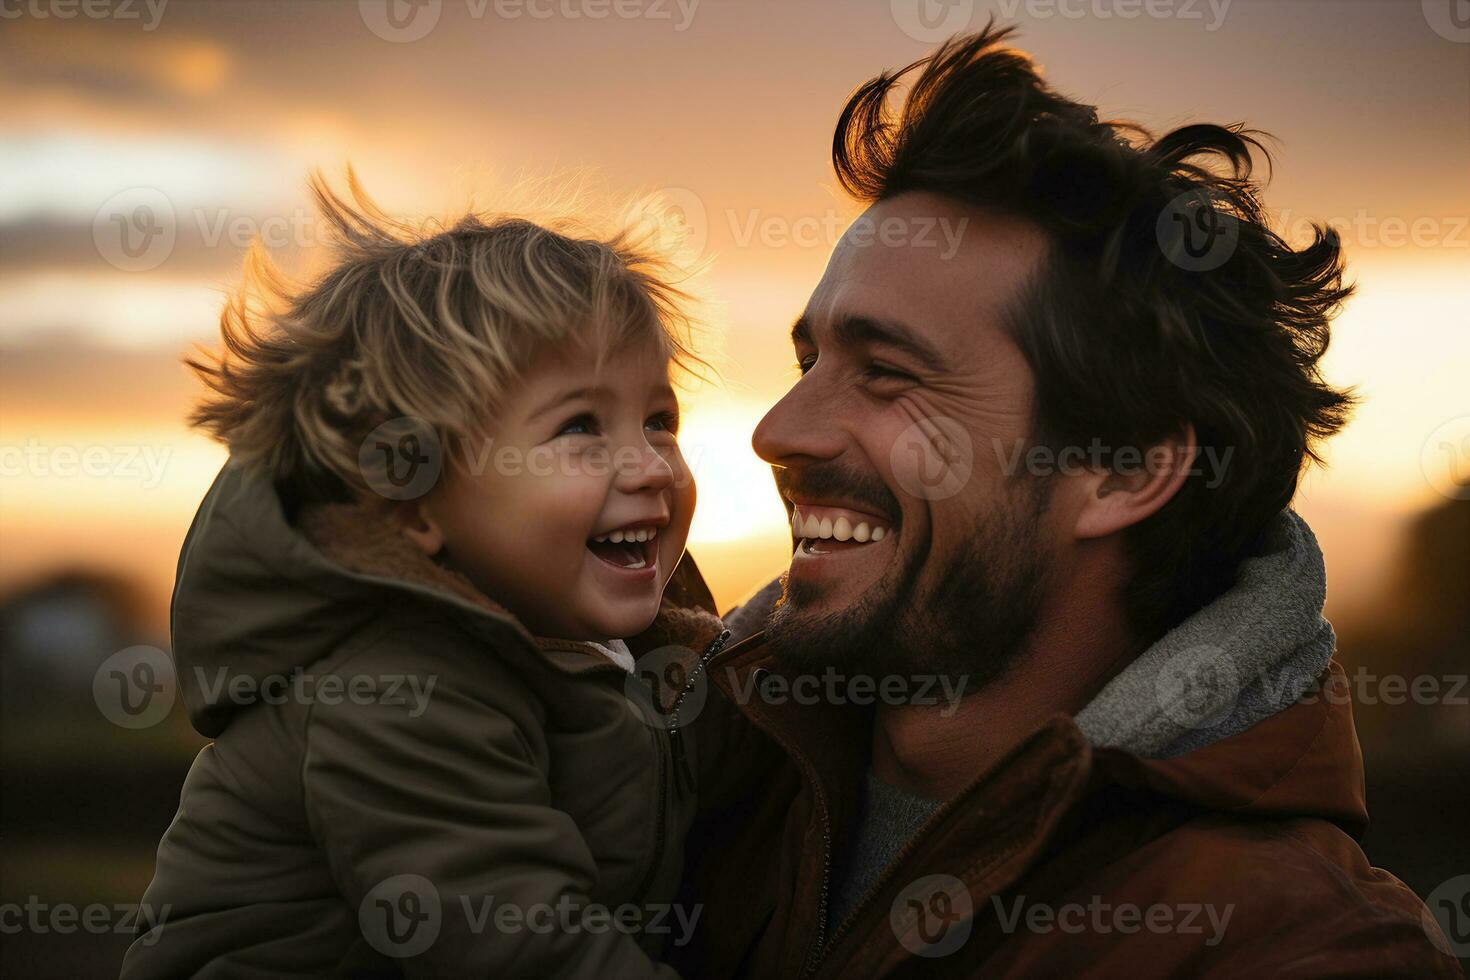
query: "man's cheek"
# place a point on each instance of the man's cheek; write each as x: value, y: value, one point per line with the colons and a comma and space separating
x: 931, y: 459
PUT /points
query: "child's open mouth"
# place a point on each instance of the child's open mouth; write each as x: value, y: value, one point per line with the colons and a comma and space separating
x: 630, y: 547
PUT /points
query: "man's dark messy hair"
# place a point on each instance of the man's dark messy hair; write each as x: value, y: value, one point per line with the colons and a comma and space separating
x: 1164, y: 299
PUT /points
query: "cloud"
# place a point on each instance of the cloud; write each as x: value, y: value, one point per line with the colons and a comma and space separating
x: 106, y: 61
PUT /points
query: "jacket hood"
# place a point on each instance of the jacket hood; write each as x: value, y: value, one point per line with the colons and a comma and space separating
x: 1247, y: 655
x: 259, y: 595
x: 1303, y: 761
x: 1240, y: 707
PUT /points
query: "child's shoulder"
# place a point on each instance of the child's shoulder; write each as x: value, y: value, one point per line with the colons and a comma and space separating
x: 425, y: 642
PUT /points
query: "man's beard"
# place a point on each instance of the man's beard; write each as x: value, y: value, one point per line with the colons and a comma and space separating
x: 970, y: 625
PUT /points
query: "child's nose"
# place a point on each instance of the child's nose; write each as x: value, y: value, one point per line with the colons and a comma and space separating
x: 643, y: 469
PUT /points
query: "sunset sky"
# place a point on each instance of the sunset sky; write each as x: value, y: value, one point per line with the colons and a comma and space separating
x: 214, y: 114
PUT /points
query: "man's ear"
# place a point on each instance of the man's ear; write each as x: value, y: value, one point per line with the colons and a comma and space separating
x: 1139, y: 483
x: 419, y: 525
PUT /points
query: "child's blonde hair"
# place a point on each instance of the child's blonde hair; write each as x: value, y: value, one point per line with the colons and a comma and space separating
x: 428, y: 327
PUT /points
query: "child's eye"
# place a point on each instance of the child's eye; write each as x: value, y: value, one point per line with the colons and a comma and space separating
x: 665, y: 422
x: 584, y: 424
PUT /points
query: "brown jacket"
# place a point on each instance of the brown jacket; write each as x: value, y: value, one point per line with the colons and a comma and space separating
x: 436, y: 764
x: 1242, y: 852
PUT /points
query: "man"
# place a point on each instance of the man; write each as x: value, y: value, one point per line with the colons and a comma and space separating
x: 1046, y: 473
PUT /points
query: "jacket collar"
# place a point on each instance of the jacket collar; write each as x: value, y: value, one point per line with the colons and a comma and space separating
x: 259, y: 594
x: 1302, y: 762
x: 352, y: 535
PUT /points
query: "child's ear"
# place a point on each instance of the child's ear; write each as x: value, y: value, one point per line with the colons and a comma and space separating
x: 420, y: 527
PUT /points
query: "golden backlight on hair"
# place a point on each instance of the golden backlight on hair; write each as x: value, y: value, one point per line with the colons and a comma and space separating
x: 433, y: 324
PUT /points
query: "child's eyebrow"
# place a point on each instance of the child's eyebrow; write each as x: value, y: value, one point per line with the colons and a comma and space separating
x: 557, y: 401
x: 591, y: 393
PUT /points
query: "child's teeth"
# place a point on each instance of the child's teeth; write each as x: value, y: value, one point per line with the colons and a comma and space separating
x: 619, y: 537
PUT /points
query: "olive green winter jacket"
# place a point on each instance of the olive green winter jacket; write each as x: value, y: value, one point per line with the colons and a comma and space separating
x: 403, y: 780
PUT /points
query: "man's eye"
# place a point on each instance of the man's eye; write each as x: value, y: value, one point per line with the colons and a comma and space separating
x: 584, y: 424
x: 877, y: 369
x: 805, y: 364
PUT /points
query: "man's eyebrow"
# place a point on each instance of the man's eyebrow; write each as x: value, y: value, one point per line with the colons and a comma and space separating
x: 869, y: 330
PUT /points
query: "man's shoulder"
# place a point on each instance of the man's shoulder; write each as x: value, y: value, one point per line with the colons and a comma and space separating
x: 1277, y: 894
x: 1264, y: 861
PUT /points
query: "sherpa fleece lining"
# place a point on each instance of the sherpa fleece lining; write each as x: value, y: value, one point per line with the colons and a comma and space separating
x: 354, y: 536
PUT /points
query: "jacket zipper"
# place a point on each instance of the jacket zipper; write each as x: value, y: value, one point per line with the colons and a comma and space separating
x: 813, y: 958
x: 843, y: 927
x: 819, y: 948
x: 675, y: 741
x: 660, y: 826
x: 661, y: 818
x: 824, y: 816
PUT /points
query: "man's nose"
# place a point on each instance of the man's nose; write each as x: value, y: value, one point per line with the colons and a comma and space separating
x: 799, y: 428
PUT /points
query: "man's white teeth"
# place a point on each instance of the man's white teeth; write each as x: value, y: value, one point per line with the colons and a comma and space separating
x: 618, y: 537
x: 841, y: 529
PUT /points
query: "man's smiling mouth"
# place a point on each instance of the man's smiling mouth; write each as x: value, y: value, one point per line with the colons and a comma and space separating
x: 825, y: 530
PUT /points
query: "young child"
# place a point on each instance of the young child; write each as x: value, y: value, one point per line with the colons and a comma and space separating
x: 407, y: 613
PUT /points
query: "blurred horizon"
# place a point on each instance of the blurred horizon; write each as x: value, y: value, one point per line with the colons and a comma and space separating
x: 213, y: 117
